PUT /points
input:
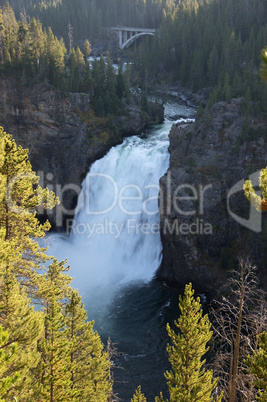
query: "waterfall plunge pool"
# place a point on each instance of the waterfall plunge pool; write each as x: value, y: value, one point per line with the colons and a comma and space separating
x: 114, y: 250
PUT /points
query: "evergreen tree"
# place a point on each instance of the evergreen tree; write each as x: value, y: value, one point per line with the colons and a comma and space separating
x: 138, y: 396
x: 22, y: 42
x: 189, y: 381
x: 87, y: 81
x: 77, y: 64
x: 54, y: 363
x: 90, y: 367
x: 53, y: 372
x: 257, y: 364
x: 86, y: 49
x: 9, y: 34
x: 24, y: 326
x: 36, y: 44
x: 260, y: 203
x: 111, y: 98
x: 55, y: 57
x: 7, y: 355
x: 20, y: 199
x: 120, y: 83
x: 55, y: 282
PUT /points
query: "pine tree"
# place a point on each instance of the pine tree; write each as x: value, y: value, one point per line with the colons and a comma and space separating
x: 20, y: 199
x: 138, y: 396
x: 120, y: 83
x: 55, y: 57
x: 10, y: 34
x: 55, y: 282
x: 22, y: 40
x: 257, y: 364
x: 189, y: 381
x: 53, y: 372
x: 260, y: 203
x: 36, y: 44
x: 86, y: 49
x: 7, y: 355
x: 24, y: 326
x: 90, y: 367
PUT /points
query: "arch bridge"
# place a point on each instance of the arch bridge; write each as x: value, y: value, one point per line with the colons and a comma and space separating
x: 128, y: 35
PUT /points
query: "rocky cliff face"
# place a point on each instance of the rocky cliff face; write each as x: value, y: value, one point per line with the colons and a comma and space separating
x: 62, y: 135
x: 206, y: 222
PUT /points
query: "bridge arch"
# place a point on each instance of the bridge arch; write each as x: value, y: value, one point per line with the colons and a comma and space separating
x: 127, y: 35
x: 133, y: 38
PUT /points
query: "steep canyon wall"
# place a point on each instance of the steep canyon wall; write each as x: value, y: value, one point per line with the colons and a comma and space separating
x: 202, y: 205
x: 63, y: 136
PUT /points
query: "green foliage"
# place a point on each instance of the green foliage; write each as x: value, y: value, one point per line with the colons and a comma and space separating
x: 53, y: 372
x: 90, y: 367
x: 257, y: 364
x: 21, y: 197
x: 7, y: 355
x: 76, y: 69
x: 58, y: 355
x: 108, y: 88
x: 189, y: 380
x: 25, y: 327
x: 86, y: 49
x: 260, y: 203
x: 88, y: 17
x: 138, y: 396
x: 120, y: 87
x: 224, y: 43
x: 29, y: 52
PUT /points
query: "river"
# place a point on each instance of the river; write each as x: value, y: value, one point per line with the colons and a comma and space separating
x: 114, y: 250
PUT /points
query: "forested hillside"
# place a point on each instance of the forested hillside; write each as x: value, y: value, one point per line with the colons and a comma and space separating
x: 88, y: 17
x: 214, y: 44
x: 201, y: 43
x: 29, y: 52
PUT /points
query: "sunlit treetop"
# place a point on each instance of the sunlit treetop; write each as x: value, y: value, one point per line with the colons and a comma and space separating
x: 260, y: 203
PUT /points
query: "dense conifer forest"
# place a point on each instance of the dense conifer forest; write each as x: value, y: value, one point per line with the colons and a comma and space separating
x: 200, y: 43
x: 31, y: 53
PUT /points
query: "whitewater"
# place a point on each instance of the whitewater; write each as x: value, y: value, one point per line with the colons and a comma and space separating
x: 114, y: 246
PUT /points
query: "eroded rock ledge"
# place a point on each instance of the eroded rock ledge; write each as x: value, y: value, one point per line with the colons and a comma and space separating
x: 199, y: 207
x: 62, y: 135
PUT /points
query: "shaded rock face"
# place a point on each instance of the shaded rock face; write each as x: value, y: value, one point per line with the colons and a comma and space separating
x: 200, y: 209
x: 62, y: 137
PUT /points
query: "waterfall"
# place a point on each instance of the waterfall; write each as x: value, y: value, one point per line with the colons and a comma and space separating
x: 115, y: 237
x: 114, y: 249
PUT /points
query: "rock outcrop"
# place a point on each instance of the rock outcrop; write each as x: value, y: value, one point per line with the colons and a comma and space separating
x: 63, y: 136
x: 201, y: 200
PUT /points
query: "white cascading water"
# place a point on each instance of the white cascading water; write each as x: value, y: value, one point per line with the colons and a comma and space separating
x: 115, y: 236
x: 117, y: 212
